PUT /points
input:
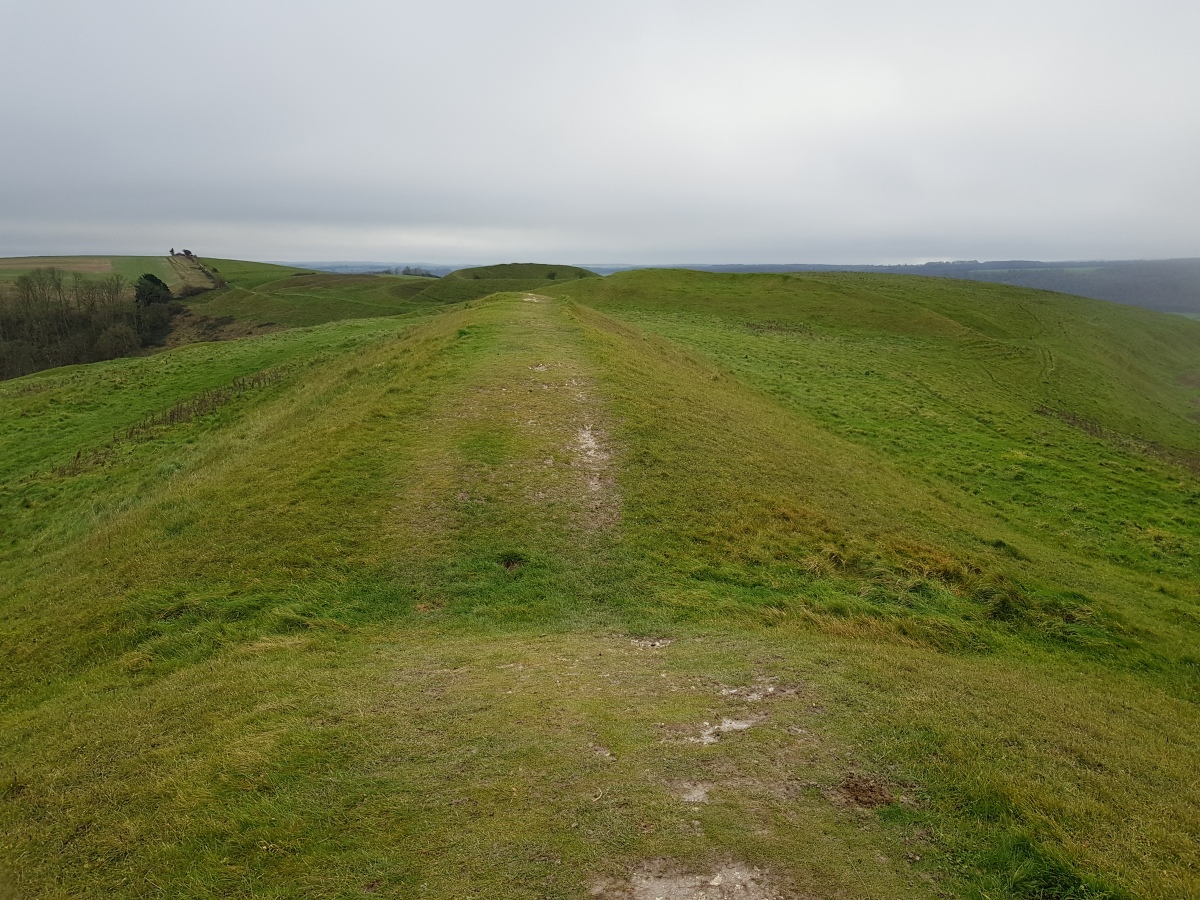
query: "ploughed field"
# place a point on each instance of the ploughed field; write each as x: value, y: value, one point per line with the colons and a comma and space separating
x: 666, y: 584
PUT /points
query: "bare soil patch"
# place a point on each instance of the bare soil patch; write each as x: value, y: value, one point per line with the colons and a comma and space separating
x: 662, y: 879
x: 860, y: 792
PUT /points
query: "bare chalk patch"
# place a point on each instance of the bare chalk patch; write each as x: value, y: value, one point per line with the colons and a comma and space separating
x: 651, y: 643
x: 662, y: 879
x: 588, y: 443
x: 762, y: 690
x: 592, y: 456
x: 712, y: 733
x: 693, y: 791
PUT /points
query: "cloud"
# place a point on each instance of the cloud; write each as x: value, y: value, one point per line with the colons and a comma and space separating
x: 638, y: 132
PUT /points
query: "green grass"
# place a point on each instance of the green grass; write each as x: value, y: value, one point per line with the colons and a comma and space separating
x: 370, y: 627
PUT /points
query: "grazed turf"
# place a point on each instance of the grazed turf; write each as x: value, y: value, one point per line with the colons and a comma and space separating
x: 383, y: 625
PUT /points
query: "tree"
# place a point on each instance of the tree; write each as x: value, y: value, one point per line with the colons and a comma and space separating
x: 117, y: 340
x: 151, y: 289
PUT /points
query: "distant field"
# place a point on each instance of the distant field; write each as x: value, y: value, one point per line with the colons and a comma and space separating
x: 844, y: 586
x: 129, y: 267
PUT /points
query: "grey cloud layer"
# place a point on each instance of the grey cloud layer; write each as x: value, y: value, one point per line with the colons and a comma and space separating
x: 618, y: 131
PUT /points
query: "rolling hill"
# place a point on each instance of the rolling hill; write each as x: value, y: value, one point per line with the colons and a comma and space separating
x: 666, y: 583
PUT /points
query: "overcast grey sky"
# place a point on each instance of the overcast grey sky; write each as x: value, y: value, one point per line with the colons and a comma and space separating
x: 855, y: 131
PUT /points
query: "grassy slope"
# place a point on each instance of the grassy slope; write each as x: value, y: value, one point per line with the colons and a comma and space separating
x: 367, y: 627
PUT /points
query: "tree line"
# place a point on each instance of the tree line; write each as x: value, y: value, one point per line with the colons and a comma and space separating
x: 49, y: 319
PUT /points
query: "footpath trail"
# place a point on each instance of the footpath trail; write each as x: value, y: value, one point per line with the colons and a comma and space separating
x: 551, y: 753
x: 516, y: 455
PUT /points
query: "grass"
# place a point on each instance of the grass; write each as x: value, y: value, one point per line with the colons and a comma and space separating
x: 376, y: 626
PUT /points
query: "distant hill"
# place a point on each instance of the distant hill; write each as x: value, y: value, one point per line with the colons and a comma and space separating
x: 480, y: 281
x: 373, y: 268
x: 524, y: 271
x: 1165, y: 285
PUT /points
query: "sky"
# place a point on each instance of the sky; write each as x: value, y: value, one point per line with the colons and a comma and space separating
x: 460, y: 132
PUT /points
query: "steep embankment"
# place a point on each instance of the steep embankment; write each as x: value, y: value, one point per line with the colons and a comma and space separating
x: 685, y: 576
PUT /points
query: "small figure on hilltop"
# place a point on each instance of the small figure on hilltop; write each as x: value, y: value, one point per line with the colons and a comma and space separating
x: 172, y: 251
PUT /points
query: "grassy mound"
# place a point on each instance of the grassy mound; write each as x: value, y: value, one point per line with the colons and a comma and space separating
x: 884, y: 586
x: 474, y: 283
x: 524, y: 272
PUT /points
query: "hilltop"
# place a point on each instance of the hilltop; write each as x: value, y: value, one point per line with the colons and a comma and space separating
x: 825, y: 585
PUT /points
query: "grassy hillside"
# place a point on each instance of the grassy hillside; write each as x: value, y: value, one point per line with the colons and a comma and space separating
x: 1165, y: 285
x: 281, y: 295
x: 882, y: 587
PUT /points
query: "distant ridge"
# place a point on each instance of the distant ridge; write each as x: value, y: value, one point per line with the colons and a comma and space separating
x: 1165, y: 285
x: 365, y: 267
